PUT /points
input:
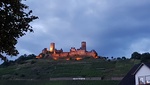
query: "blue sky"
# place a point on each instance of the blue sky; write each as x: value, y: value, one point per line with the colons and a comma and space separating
x: 111, y: 27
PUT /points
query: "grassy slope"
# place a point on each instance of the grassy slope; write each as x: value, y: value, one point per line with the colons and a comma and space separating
x: 45, y: 68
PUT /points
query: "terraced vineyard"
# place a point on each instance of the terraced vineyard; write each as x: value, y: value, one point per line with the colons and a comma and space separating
x: 44, y: 69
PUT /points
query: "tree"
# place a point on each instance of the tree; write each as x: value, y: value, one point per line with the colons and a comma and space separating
x: 124, y: 58
x: 118, y: 58
x: 145, y: 57
x: 136, y: 55
x: 24, y: 57
x: 14, y: 23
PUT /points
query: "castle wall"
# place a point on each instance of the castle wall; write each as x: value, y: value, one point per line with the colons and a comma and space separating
x: 90, y: 54
x: 74, y: 53
x: 79, y: 53
x: 64, y: 54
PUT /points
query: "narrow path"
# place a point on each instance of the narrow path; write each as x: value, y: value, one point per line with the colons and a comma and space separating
x: 76, y: 78
x: 73, y: 78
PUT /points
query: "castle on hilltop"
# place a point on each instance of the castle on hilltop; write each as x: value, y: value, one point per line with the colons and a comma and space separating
x: 74, y: 53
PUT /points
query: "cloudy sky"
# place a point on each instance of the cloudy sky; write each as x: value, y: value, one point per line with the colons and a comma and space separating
x: 111, y: 27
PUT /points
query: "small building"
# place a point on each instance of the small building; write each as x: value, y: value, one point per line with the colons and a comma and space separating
x: 138, y: 75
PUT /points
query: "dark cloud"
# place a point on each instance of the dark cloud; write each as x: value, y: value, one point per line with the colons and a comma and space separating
x: 112, y: 28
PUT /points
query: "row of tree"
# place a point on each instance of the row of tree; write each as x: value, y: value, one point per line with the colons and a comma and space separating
x: 21, y: 60
x: 113, y: 58
x: 144, y: 57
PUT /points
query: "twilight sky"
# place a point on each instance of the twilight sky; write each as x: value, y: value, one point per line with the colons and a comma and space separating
x: 111, y: 27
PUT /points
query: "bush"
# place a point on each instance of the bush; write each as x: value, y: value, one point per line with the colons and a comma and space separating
x: 22, y: 75
x: 24, y: 57
x: 32, y: 62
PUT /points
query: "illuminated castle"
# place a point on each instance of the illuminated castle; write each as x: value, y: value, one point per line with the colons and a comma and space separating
x: 74, y: 53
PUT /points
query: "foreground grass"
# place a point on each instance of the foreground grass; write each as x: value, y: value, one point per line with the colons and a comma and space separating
x: 44, y: 82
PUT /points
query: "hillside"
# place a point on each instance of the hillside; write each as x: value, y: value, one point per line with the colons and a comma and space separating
x: 46, y: 69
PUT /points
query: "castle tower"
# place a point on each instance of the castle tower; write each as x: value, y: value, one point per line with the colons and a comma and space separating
x: 83, y: 46
x: 52, y: 47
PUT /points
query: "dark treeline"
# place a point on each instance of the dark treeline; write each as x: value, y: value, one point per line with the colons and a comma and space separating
x: 113, y: 58
x: 20, y: 60
x: 144, y: 57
